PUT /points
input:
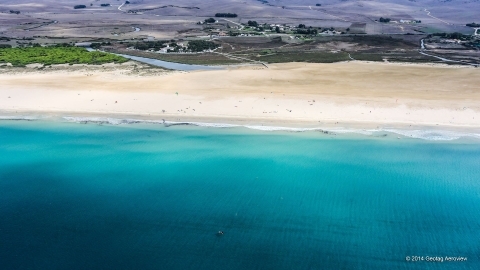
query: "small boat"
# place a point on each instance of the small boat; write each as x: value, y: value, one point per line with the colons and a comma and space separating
x: 220, y: 233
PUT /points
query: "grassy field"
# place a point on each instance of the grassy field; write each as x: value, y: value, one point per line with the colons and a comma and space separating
x: 56, y: 55
x: 407, y: 57
x: 216, y: 59
x: 310, y: 57
x: 367, y: 56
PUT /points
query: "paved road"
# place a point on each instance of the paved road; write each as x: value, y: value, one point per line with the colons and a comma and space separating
x: 423, y: 52
x: 241, y: 26
x: 428, y: 14
x: 241, y: 58
x: 476, y: 32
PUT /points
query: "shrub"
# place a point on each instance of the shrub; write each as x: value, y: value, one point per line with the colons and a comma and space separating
x: 58, y: 54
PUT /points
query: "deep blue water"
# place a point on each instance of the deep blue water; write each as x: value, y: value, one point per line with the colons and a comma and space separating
x: 76, y: 196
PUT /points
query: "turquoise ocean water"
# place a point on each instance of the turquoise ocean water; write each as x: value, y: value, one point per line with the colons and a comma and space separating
x: 142, y: 196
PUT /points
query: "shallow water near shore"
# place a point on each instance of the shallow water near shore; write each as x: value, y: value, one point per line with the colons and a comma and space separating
x: 144, y: 196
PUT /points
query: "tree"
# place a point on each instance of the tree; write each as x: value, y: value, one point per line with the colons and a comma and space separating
x: 146, y: 45
x: 384, y: 20
x: 309, y: 31
x: 301, y: 26
x: 210, y: 20
x: 252, y: 23
x: 454, y: 35
x: 201, y: 45
x: 277, y: 29
x: 228, y: 15
x: 141, y: 46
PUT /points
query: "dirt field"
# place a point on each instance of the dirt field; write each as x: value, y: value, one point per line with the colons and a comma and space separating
x: 51, y: 22
x: 161, y: 18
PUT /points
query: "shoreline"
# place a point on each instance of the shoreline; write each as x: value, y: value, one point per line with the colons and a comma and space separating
x: 220, y: 119
x: 424, y: 132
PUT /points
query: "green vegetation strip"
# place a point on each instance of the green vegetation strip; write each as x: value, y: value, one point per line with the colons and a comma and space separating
x: 310, y: 57
x: 56, y: 55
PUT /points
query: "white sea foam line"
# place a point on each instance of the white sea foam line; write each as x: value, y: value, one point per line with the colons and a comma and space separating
x: 273, y: 128
x: 201, y: 124
x: 27, y: 118
x: 419, y: 134
x: 435, y: 135
x: 351, y: 130
x: 117, y: 121
x: 113, y: 121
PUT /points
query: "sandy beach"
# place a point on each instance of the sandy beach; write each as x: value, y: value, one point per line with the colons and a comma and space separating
x: 299, y: 93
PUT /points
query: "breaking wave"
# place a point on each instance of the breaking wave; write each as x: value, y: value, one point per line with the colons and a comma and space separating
x: 432, y: 135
